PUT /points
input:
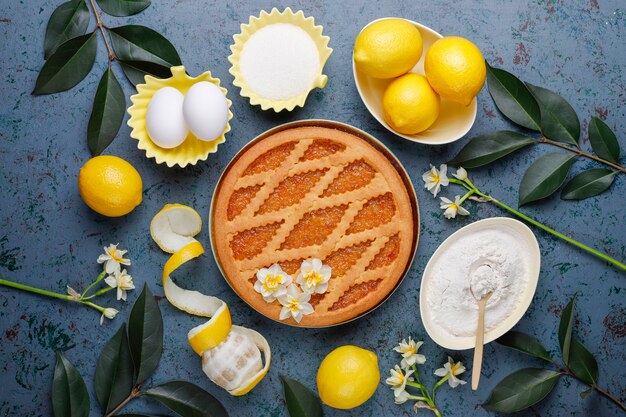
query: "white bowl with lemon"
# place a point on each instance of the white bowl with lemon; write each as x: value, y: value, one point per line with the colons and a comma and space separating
x: 433, y: 106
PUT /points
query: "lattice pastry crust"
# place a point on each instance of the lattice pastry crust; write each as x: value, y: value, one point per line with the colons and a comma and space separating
x: 314, y: 192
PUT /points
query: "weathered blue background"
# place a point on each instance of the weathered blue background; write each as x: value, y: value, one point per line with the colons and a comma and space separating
x: 49, y: 238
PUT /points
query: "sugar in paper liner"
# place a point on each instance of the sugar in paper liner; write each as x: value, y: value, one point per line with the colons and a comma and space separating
x: 266, y: 19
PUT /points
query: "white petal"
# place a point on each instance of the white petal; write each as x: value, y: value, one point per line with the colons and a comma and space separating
x: 321, y: 288
x: 441, y: 372
x: 297, y: 316
x: 261, y: 273
x: 284, y: 313
x: 306, y: 308
x: 111, y: 281
x: 306, y: 266
x: 446, y: 201
x: 462, y: 211
x: 316, y: 264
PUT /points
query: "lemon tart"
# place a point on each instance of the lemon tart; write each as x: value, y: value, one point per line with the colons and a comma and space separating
x: 316, y: 192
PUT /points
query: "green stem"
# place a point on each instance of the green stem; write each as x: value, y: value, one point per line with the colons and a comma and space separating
x: 35, y: 290
x: 48, y: 293
x: 100, y: 292
x: 582, y: 153
x: 466, y: 196
x: 421, y: 386
x: 416, y: 385
x: 438, y: 384
x: 554, y: 232
x: 93, y: 283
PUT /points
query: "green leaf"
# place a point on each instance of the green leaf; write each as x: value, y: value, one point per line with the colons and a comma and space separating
x: 582, y: 363
x: 135, y: 71
x: 524, y: 343
x: 588, y: 183
x: 69, y: 392
x: 565, y: 329
x: 114, y: 371
x: 603, y: 140
x: 107, y: 113
x: 485, y: 149
x: 558, y: 118
x: 123, y: 7
x: 544, y: 176
x: 301, y: 402
x: 68, y: 65
x: 139, y: 43
x: 521, y: 390
x: 68, y: 21
x: 513, y: 98
x: 145, y: 334
x: 187, y: 399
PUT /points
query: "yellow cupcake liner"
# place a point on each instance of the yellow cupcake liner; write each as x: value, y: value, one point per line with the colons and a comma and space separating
x: 192, y: 149
x: 266, y: 19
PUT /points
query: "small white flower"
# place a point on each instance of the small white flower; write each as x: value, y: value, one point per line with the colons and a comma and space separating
x: 435, y: 178
x: 113, y: 258
x: 272, y: 282
x: 409, y: 353
x: 314, y: 276
x: 402, y: 397
x: 461, y: 174
x: 295, y: 304
x: 122, y: 281
x: 109, y: 313
x: 452, y: 369
x: 398, y: 379
x: 452, y: 207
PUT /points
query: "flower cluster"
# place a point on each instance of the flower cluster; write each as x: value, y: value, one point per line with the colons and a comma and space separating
x: 113, y: 259
x: 116, y: 277
x: 435, y: 178
x: 275, y: 284
x: 406, y: 375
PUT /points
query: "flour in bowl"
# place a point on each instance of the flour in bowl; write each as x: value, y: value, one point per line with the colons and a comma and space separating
x: 280, y: 61
x: 469, y: 268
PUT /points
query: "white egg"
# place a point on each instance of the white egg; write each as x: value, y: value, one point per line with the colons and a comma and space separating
x: 164, y: 119
x: 205, y: 110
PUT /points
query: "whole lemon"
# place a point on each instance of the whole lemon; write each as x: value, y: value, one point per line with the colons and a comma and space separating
x: 110, y: 186
x: 388, y: 48
x: 410, y: 105
x: 455, y: 68
x: 348, y: 376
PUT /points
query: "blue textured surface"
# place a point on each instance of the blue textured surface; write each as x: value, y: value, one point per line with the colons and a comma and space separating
x: 49, y: 238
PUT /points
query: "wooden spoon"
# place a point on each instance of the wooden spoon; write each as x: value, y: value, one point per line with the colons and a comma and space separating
x: 480, y: 337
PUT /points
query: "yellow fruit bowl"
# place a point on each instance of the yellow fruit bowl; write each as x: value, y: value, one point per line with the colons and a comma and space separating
x: 454, y: 120
x: 192, y: 149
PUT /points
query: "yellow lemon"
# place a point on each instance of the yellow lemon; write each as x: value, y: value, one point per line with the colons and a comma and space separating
x: 110, y: 186
x: 410, y: 105
x: 348, y: 376
x: 388, y: 48
x: 455, y: 69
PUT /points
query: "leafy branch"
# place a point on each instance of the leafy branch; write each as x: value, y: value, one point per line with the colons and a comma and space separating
x: 541, y: 110
x: 127, y: 360
x: 70, y: 54
x: 528, y: 386
x: 435, y: 178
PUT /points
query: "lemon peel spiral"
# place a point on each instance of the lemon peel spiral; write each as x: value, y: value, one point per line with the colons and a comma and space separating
x: 174, y: 229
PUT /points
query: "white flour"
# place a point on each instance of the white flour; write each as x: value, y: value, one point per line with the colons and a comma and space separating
x: 280, y: 61
x: 488, y: 260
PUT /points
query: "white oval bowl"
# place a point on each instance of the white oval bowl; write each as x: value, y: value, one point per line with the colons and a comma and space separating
x: 527, y: 239
x: 454, y: 120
